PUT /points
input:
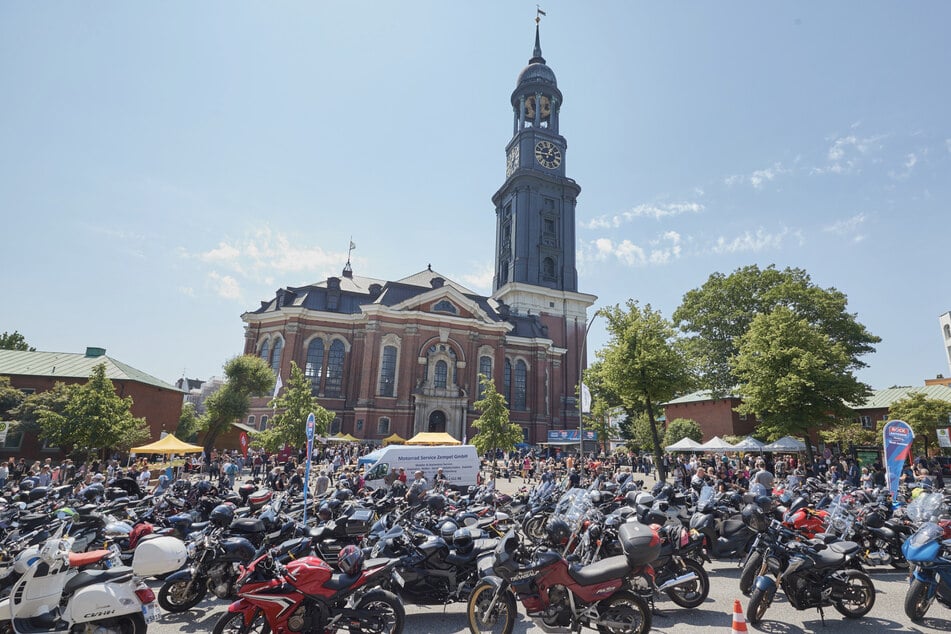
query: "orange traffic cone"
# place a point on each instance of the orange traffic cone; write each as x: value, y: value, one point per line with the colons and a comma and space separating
x: 739, y: 621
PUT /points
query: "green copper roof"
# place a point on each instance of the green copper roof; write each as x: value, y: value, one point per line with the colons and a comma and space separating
x: 72, y: 365
x: 885, y: 398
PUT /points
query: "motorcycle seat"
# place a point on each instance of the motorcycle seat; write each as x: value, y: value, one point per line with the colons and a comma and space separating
x: 884, y: 532
x: 483, y: 545
x: 844, y: 548
x: 249, y: 525
x: 601, y: 571
x: 89, y: 577
x: 198, y: 526
x: 340, y: 581
x: 78, y: 560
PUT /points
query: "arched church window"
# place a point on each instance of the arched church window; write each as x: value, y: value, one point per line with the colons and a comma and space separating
x: 485, y: 369
x: 333, y: 388
x: 521, y: 386
x: 507, y: 381
x: 276, y: 355
x: 440, y: 373
x: 548, y: 268
x: 315, y: 363
x: 388, y: 371
x: 265, y: 351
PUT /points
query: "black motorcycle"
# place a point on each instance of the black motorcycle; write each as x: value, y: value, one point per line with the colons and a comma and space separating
x: 816, y: 576
x: 725, y: 535
x: 436, y: 569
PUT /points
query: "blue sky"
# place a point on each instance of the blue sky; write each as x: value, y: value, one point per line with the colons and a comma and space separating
x: 164, y: 167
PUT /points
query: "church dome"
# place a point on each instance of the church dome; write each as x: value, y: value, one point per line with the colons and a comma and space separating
x: 537, y: 72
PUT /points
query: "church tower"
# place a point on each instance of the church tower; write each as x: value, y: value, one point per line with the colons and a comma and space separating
x: 534, y: 264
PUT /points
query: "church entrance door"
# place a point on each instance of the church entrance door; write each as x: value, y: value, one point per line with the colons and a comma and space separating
x: 437, y: 421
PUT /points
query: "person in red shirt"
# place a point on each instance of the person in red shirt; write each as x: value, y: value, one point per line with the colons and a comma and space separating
x: 402, y: 476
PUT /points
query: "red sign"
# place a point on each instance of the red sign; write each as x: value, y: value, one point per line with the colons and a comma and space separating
x: 243, y: 439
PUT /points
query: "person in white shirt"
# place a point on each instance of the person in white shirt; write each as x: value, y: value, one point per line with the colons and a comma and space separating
x: 144, y: 478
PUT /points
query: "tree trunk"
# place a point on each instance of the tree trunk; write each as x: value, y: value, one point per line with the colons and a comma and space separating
x: 810, y: 457
x: 658, y: 456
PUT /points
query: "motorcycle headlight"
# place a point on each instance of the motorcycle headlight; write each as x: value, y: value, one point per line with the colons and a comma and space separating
x: 191, y: 549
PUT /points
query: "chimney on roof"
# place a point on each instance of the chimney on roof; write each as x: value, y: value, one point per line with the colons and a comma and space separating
x: 95, y: 352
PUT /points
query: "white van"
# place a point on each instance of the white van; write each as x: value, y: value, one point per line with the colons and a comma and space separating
x: 460, y: 464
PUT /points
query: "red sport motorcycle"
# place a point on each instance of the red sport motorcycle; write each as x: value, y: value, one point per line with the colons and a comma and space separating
x: 565, y: 595
x: 307, y: 595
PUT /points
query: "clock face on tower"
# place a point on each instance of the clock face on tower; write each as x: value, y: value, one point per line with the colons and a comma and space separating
x: 547, y: 154
x: 512, y: 163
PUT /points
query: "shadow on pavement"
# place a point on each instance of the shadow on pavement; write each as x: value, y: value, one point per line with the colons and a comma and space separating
x: 832, y: 624
x: 198, y: 619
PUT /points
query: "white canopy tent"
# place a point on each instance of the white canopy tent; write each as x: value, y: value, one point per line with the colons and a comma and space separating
x: 786, y: 443
x: 684, y: 444
x: 716, y: 444
x: 749, y: 444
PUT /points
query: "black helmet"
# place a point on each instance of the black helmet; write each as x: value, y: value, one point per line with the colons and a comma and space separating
x: 343, y: 495
x: 436, y: 503
x: 222, y: 515
x: 463, y: 541
x: 874, y: 520
x: 448, y: 530
x: 204, y: 487
x: 350, y: 560
x: 93, y: 492
x: 325, y: 513
x: 630, y: 498
x: 594, y: 497
x: 558, y: 531
x: 754, y: 517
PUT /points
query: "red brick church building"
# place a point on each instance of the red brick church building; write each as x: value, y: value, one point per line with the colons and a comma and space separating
x: 403, y: 356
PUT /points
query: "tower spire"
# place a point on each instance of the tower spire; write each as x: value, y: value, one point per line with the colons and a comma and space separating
x: 537, y: 53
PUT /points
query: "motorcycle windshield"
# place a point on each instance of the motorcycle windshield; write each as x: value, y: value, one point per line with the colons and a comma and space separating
x: 839, y: 520
x: 929, y: 532
x: 705, y: 501
x: 925, y: 508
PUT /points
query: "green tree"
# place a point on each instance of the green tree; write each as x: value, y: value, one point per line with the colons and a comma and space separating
x: 10, y: 398
x: 793, y: 376
x: 95, y: 419
x: 846, y: 431
x: 681, y: 428
x: 188, y: 424
x: 924, y: 415
x: 494, y: 431
x: 641, y: 435
x: 721, y: 311
x: 295, y: 404
x: 55, y: 399
x: 599, y: 421
x: 14, y: 341
x: 644, y: 364
x: 247, y: 376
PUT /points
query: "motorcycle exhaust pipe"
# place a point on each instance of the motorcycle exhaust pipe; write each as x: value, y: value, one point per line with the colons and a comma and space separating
x: 678, y: 581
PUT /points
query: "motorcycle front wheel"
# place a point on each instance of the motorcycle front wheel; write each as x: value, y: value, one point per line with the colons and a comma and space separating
x: 233, y: 623
x: 750, y: 571
x: 174, y: 596
x: 858, y: 597
x: 693, y: 593
x: 624, y: 613
x: 917, y: 601
x: 756, y: 609
x: 501, y: 620
x: 384, y: 612
x: 534, y: 528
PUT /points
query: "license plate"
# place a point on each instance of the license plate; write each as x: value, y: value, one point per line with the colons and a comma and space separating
x: 152, y: 612
x: 398, y: 578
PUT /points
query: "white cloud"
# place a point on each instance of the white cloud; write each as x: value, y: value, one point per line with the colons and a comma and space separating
x: 845, y: 154
x: 850, y: 227
x: 911, y: 159
x: 758, y: 178
x: 263, y: 256
x: 655, y: 211
x: 749, y: 241
x: 225, y: 285
x: 481, y: 278
x: 659, y: 251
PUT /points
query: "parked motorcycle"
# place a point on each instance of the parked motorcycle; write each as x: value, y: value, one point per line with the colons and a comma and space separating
x: 725, y: 535
x: 929, y: 551
x: 559, y: 594
x: 307, y: 596
x: 816, y: 576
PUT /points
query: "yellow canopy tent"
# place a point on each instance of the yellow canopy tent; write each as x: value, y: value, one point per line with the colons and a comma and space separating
x: 168, y: 445
x: 343, y: 438
x: 432, y: 438
x: 394, y: 439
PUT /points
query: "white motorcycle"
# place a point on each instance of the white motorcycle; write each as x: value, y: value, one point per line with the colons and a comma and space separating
x: 53, y: 597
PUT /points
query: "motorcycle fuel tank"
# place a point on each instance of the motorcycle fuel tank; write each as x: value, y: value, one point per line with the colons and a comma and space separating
x: 309, y: 574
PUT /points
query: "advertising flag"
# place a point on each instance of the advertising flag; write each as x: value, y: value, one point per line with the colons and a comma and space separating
x: 309, y: 429
x: 243, y: 439
x: 585, y: 399
x: 897, y: 438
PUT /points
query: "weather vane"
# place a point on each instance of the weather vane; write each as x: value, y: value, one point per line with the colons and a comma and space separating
x: 538, y: 14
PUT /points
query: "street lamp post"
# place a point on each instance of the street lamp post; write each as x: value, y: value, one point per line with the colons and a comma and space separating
x: 584, y: 345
